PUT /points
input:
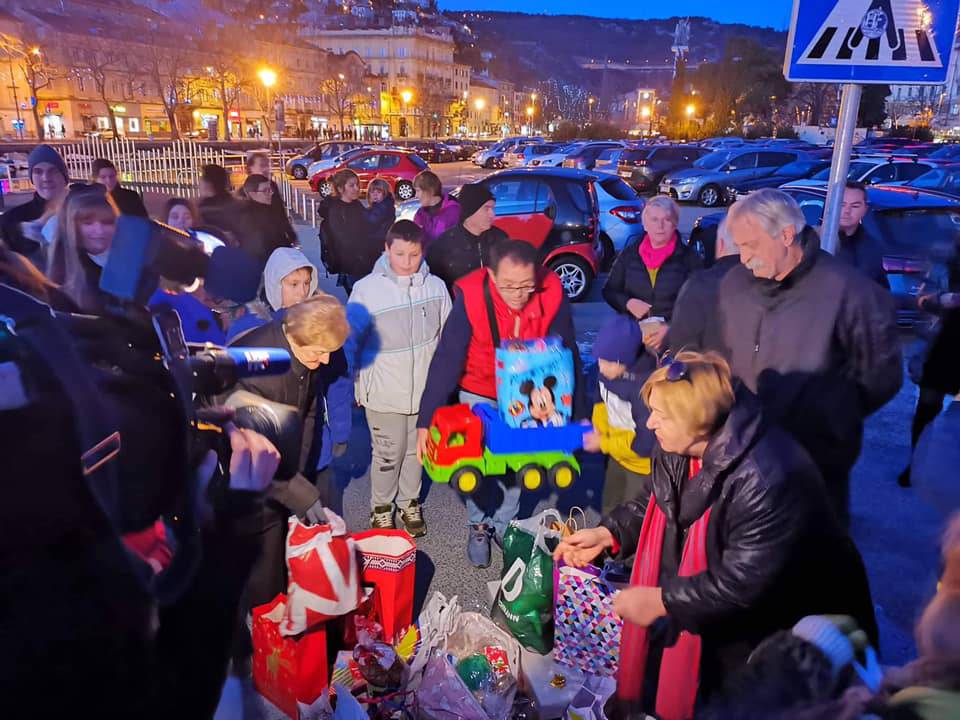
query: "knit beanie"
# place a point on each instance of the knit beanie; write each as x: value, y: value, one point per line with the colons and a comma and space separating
x: 619, y: 340
x: 823, y: 634
x: 47, y: 154
x: 472, y: 197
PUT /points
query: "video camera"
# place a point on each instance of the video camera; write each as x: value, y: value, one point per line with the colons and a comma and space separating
x: 130, y: 379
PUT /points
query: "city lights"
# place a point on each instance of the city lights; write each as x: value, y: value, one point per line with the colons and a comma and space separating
x: 479, y: 104
x: 691, y: 110
x: 267, y: 76
x: 406, y: 96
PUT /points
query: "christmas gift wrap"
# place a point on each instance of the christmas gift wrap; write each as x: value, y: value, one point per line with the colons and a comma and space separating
x: 534, y: 383
x: 287, y: 670
x: 323, y: 575
x: 586, y: 629
x: 388, y: 562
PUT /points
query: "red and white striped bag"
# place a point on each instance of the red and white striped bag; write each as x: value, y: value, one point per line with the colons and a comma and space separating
x: 323, y: 575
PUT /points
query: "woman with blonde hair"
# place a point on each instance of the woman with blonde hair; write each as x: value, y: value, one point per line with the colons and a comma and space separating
x: 731, y: 540
x: 85, y: 225
x: 647, y: 275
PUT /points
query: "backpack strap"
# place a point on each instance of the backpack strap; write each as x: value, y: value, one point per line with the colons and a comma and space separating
x: 491, y: 314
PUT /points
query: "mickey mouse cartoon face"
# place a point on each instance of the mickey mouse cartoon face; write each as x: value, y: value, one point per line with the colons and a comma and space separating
x: 543, y: 406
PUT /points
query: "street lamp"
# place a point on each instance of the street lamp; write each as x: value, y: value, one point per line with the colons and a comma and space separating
x: 690, y: 111
x: 590, y: 103
x: 406, y: 96
x: 269, y: 78
x: 479, y: 104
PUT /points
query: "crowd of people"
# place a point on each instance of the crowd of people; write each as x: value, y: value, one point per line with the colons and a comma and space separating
x: 729, y: 402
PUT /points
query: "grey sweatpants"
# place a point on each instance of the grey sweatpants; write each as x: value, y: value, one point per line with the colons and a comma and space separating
x: 394, y: 470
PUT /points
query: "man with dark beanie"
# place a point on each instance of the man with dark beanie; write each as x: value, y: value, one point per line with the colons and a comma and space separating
x: 49, y: 176
x: 466, y: 246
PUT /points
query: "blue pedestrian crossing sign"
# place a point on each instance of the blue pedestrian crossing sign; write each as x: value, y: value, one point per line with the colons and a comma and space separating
x: 871, y: 41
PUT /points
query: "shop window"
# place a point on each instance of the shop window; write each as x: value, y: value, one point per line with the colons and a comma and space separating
x: 134, y: 124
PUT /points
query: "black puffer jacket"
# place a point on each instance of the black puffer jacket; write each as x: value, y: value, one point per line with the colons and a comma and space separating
x: 458, y: 252
x: 630, y: 279
x: 775, y: 551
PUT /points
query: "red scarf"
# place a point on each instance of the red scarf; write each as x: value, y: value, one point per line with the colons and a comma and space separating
x: 680, y: 666
x: 654, y: 257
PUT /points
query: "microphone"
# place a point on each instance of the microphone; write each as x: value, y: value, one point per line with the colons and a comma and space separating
x: 217, y: 369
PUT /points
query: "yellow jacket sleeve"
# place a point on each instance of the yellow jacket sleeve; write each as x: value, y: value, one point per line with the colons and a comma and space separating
x: 618, y: 443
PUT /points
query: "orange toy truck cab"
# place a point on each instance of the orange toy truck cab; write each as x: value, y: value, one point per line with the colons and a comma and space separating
x: 461, y: 435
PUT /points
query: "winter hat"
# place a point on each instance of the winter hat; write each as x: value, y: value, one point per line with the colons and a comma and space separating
x: 281, y: 263
x: 823, y: 633
x: 47, y: 154
x: 471, y: 198
x: 619, y: 340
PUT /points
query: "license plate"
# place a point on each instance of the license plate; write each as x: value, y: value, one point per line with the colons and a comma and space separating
x: 626, y: 173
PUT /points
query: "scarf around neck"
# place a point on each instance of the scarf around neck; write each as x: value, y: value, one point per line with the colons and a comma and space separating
x: 654, y: 257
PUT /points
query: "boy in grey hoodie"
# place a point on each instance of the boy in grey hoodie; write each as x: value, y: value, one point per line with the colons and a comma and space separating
x: 396, y: 314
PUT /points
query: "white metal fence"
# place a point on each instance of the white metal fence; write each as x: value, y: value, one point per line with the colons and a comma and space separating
x: 173, y: 168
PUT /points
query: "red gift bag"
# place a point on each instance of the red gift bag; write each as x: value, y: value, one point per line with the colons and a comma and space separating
x: 287, y: 670
x: 323, y: 576
x: 388, y: 562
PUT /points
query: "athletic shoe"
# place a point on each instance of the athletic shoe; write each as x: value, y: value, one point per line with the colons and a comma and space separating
x: 382, y: 518
x: 412, y: 518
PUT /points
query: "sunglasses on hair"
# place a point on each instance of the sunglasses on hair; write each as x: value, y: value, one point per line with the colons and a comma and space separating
x: 676, y: 369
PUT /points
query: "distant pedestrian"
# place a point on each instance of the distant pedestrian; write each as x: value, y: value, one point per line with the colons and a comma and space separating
x: 218, y: 206
x: 855, y: 247
x: 128, y: 202
x: 396, y: 314
x: 48, y: 173
x: 647, y: 275
x: 696, y: 323
x: 813, y: 337
x: 438, y: 212
x: 381, y: 208
x: 351, y: 247
x: 466, y: 246
x: 258, y: 163
x: 263, y: 235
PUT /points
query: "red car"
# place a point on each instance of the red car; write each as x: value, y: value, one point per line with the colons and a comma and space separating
x: 397, y: 167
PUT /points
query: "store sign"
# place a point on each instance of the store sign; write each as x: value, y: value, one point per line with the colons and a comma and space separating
x: 234, y: 114
x: 53, y: 106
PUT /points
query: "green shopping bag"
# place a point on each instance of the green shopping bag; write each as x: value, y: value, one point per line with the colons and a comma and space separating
x: 524, y: 603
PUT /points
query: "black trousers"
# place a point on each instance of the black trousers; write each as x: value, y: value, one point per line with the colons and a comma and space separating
x: 619, y: 485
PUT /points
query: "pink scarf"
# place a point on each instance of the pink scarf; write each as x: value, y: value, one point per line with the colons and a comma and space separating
x: 680, y: 666
x: 654, y: 257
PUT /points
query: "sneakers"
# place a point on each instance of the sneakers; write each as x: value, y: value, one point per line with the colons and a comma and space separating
x: 382, y: 518
x: 412, y: 518
x: 478, y: 546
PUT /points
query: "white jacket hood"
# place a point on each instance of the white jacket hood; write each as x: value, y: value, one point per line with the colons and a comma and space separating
x: 281, y: 263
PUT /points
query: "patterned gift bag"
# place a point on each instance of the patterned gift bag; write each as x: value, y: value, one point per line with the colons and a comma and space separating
x: 586, y: 629
x: 388, y: 562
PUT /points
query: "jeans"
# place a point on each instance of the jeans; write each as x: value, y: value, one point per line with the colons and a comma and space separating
x: 494, y: 504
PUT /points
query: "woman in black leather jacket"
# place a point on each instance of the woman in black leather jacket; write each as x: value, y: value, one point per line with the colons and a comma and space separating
x: 739, y: 542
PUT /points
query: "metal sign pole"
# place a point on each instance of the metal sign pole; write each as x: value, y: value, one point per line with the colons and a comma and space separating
x: 839, y: 166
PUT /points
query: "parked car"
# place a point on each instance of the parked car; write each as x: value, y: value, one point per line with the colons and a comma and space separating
x: 461, y: 149
x: 945, y: 153
x: 337, y: 160
x: 608, y: 160
x: 873, y: 170
x: 643, y: 168
x: 705, y: 180
x: 911, y: 224
x: 797, y: 170
x: 585, y: 157
x: 299, y: 166
x: 524, y: 155
x: 555, y: 158
x: 620, y: 211
x: 944, y: 179
x: 492, y: 157
x: 397, y: 167
x: 432, y: 152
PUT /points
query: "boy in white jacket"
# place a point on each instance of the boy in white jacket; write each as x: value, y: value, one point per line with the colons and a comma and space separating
x: 396, y: 314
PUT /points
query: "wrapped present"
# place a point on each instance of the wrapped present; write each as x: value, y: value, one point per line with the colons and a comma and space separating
x: 388, y: 560
x: 323, y: 576
x: 534, y: 383
x: 287, y: 670
x: 346, y: 672
x: 586, y: 628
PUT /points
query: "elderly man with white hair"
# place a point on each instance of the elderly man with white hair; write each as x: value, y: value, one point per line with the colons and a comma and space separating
x: 812, y: 336
x: 696, y: 322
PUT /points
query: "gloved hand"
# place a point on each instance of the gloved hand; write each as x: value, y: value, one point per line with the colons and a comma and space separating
x: 315, y: 515
x: 339, y: 449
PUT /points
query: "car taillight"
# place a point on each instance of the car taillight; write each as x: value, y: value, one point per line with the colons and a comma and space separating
x: 627, y: 214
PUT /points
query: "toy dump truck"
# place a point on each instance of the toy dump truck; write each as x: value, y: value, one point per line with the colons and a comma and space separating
x: 467, y: 445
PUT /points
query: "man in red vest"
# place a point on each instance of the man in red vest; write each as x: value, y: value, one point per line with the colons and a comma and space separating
x: 526, y: 302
